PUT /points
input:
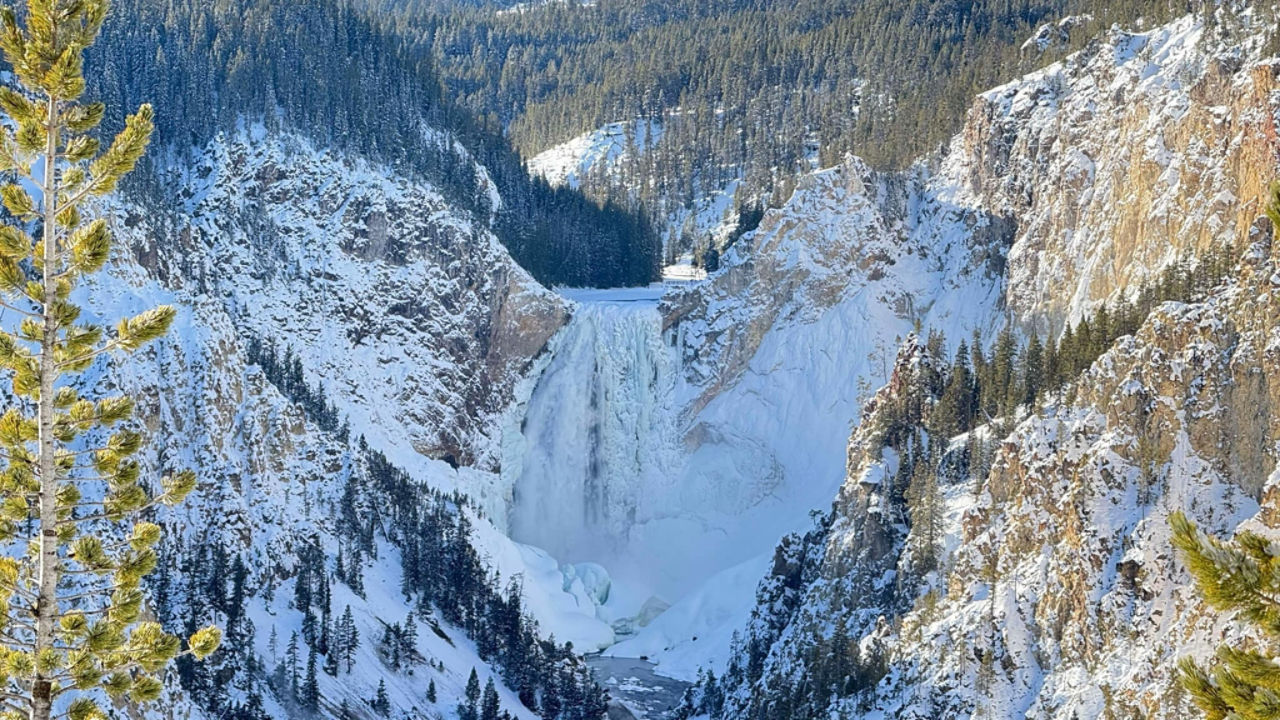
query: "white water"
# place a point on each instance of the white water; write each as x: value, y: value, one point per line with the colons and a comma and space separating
x: 599, y: 433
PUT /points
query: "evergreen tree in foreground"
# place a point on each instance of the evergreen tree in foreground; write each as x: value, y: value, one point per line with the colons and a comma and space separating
x: 1241, y: 576
x: 69, y: 482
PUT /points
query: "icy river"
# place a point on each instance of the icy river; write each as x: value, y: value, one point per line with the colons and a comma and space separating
x: 638, y: 692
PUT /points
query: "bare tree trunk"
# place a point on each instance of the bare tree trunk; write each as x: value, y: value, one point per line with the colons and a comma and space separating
x: 47, y: 598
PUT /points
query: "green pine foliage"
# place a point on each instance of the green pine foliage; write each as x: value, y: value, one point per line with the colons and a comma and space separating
x: 468, y: 708
x: 380, y: 703
x: 351, y: 83
x: 71, y: 630
x: 1084, y: 342
x: 1240, y: 576
x: 489, y: 704
x: 747, y: 89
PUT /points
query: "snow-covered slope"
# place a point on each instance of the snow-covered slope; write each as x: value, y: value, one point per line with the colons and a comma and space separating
x: 414, y: 335
x: 602, y: 150
x: 413, y: 319
x: 271, y: 482
x: 1058, y: 593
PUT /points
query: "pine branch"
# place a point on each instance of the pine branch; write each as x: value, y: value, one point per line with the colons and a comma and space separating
x: 8, y: 639
x: 68, y: 684
x: 21, y: 592
x: 90, y: 594
x: 23, y: 624
x: 113, y: 344
x: 156, y: 501
x: 20, y: 311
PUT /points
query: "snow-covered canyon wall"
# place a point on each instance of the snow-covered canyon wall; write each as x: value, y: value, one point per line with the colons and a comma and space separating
x: 400, y: 329
x: 1057, y: 593
x: 669, y: 442
x: 412, y: 318
x: 673, y: 442
x: 1140, y: 150
x: 1026, y: 216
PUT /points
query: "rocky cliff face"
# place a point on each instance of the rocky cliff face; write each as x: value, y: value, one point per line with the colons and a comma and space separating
x: 403, y: 334
x: 411, y: 317
x: 1057, y: 593
x: 892, y: 250
x: 1139, y: 150
x: 1063, y: 595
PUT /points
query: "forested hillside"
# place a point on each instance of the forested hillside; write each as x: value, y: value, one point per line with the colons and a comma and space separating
x: 757, y: 90
x: 350, y: 83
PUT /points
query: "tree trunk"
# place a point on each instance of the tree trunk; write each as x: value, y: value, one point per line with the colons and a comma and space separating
x: 47, y: 597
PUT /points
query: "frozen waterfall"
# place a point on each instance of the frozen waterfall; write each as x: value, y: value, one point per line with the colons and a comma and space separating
x: 599, y: 432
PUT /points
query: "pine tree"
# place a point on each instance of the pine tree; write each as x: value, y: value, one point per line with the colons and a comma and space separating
x: 311, y: 684
x: 489, y: 706
x: 431, y: 691
x: 467, y: 709
x: 291, y: 664
x: 334, y: 652
x: 1068, y: 364
x: 355, y: 574
x: 1032, y: 370
x: 410, y: 635
x: 350, y: 638
x: 924, y: 506
x: 54, y: 652
x: 1051, y: 377
x: 1241, y: 576
x: 381, y: 703
x: 1003, y: 389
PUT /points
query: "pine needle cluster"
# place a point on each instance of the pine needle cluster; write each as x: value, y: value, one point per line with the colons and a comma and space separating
x: 72, y: 495
x: 1241, y: 576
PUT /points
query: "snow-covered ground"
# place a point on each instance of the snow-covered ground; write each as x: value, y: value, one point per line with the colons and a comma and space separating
x: 683, y: 271
x: 601, y: 150
x: 610, y: 153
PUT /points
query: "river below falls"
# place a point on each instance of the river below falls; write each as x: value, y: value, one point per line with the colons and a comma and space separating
x: 638, y: 692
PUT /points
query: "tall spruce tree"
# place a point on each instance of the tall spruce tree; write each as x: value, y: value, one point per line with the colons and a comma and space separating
x: 1241, y: 576
x: 489, y: 705
x: 70, y: 482
x: 468, y: 708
